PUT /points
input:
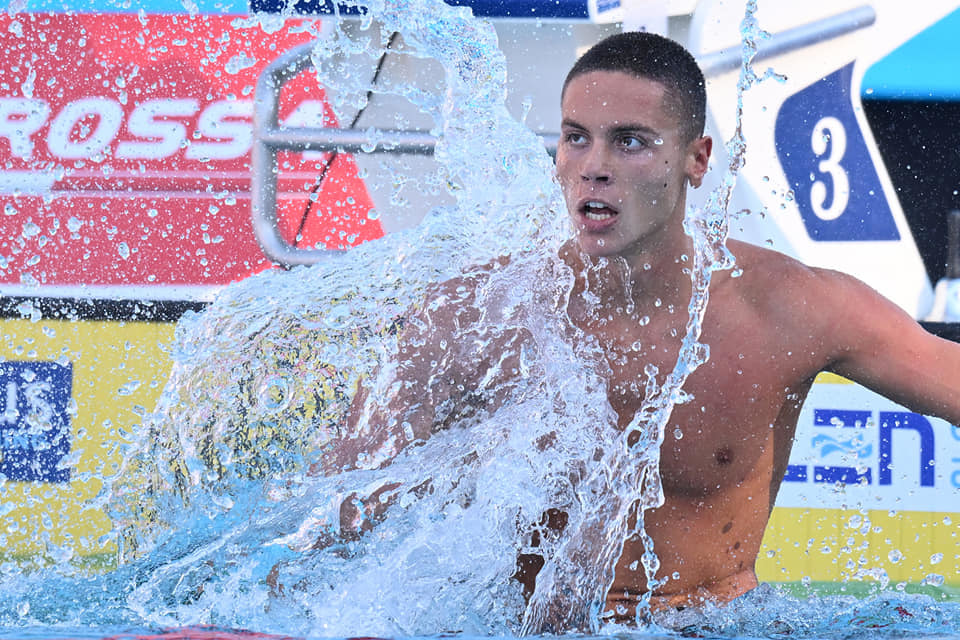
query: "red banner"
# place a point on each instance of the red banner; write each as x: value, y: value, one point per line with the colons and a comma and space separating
x: 124, y: 151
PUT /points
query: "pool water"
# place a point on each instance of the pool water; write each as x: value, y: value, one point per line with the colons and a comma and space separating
x: 216, y: 517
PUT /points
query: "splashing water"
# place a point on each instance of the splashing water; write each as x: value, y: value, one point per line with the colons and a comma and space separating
x: 217, y: 516
x: 582, y: 572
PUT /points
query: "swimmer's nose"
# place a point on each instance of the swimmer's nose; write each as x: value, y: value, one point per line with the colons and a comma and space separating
x: 596, y: 164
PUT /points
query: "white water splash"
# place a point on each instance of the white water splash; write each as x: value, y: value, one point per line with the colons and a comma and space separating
x: 220, y: 516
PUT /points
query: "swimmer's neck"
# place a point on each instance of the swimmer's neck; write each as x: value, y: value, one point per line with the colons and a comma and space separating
x: 653, y: 271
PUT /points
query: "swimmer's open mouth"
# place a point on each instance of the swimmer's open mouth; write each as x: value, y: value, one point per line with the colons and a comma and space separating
x: 597, y: 211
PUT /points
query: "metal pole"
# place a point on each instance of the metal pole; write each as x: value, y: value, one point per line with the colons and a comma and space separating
x: 805, y: 35
x: 953, y: 245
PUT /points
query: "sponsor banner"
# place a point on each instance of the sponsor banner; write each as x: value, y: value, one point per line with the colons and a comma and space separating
x: 824, y: 155
x: 886, y: 548
x: 35, y: 421
x: 72, y: 394
x: 125, y: 142
x: 854, y: 449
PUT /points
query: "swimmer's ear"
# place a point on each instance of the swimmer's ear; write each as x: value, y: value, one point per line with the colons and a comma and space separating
x: 698, y: 159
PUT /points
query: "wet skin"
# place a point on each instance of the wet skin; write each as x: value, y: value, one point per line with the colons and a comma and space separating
x: 770, y: 331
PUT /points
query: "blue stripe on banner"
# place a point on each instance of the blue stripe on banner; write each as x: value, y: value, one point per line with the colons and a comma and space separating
x: 213, y: 7
x: 563, y: 9
x: 569, y: 9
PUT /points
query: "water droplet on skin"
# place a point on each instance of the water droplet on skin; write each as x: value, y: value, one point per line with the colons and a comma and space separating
x: 678, y: 434
x: 658, y: 141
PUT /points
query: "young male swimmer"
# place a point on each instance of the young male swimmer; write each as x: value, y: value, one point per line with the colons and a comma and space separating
x: 633, y: 110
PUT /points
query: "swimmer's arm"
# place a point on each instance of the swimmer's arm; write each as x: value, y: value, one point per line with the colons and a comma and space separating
x: 409, y: 398
x: 394, y: 409
x: 880, y: 346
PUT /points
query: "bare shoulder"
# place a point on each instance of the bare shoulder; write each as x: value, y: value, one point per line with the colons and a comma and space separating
x: 854, y: 330
x: 460, y: 292
x: 772, y: 281
x: 794, y: 295
x: 447, y: 307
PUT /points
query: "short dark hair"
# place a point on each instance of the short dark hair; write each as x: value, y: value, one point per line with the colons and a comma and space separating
x: 648, y: 55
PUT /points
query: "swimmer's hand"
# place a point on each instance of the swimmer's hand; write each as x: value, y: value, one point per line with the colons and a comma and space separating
x: 358, y: 515
x: 572, y: 583
x: 366, y: 451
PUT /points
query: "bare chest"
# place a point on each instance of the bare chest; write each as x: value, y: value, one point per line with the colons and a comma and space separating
x: 741, y: 403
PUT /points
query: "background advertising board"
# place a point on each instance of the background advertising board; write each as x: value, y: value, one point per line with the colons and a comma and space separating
x: 125, y: 180
x: 124, y: 147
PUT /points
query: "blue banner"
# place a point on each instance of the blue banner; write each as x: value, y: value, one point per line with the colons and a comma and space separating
x: 34, y: 421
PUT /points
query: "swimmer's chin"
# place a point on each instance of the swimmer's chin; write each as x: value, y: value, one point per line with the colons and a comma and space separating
x: 592, y: 248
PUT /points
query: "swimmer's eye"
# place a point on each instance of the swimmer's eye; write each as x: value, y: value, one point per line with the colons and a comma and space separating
x: 632, y: 143
x: 575, y: 138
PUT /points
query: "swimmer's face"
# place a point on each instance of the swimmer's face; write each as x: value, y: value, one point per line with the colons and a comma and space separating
x: 624, y: 162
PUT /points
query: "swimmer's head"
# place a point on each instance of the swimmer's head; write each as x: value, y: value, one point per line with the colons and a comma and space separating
x: 654, y: 57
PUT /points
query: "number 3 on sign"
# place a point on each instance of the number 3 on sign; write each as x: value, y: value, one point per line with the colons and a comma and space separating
x: 831, y: 130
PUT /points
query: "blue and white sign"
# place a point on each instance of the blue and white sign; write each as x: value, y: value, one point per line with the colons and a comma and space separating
x: 827, y: 164
x: 854, y: 448
x: 35, y: 421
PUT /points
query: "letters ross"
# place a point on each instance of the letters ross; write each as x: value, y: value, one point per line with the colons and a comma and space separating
x: 151, y: 121
x: 93, y: 126
x: 20, y: 118
x: 105, y: 127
